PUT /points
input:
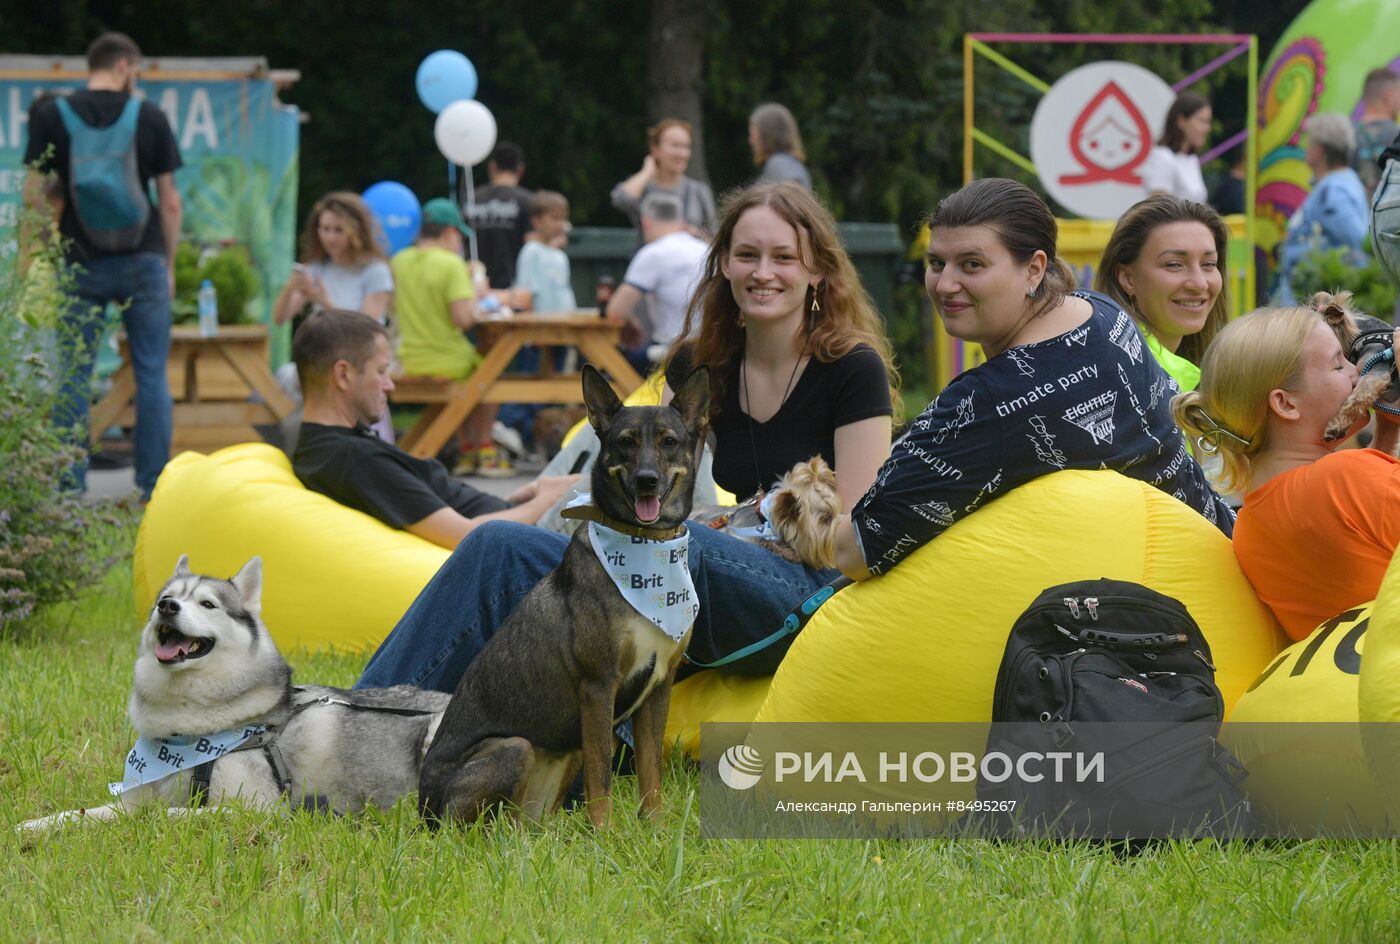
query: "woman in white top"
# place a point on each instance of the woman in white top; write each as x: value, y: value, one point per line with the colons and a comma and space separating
x: 1173, y: 166
x: 342, y: 266
x: 342, y: 263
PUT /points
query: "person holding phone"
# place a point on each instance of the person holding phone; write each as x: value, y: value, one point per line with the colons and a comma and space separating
x: 341, y: 264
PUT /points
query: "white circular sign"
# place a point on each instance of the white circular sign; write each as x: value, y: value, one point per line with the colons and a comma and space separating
x: 1092, y: 132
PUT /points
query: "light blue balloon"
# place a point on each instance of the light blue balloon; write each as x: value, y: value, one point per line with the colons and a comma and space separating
x: 398, y: 211
x: 444, y: 77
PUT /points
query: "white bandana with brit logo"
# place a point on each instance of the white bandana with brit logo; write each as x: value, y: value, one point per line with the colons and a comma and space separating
x: 153, y: 759
x: 652, y: 576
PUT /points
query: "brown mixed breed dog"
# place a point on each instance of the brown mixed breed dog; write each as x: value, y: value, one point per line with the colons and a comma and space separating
x: 575, y: 659
x: 1367, y: 343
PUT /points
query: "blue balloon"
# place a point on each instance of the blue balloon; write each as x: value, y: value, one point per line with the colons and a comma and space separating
x: 444, y: 77
x: 398, y: 212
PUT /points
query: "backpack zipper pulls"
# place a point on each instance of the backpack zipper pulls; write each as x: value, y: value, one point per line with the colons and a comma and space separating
x: 1093, y: 604
x: 1073, y: 604
x: 1200, y: 655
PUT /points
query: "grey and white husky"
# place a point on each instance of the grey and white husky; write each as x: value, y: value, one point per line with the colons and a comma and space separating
x: 214, y: 705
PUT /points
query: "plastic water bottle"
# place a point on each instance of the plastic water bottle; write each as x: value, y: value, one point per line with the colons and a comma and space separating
x: 208, y: 310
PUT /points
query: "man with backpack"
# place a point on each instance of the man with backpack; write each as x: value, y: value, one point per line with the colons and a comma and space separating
x: 106, y: 146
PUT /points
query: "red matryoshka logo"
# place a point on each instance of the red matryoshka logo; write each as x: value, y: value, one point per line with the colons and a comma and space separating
x: 1109, y: 140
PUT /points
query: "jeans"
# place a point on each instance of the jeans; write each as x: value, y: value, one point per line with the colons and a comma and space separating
x: 745, y: 592
x: 140, y: 282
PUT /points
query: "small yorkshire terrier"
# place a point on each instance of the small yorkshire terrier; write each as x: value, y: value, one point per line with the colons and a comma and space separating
x: 1363, y: 338
x: 803, y: 515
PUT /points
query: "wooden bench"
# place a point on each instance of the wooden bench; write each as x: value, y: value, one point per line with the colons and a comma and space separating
x: 449, y: 402
x: 211, y: 382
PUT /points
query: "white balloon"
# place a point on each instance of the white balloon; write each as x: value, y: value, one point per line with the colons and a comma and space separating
x: 465, y: 132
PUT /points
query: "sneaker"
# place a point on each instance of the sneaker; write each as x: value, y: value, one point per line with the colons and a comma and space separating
x: 493, y: 463
x: 508, y: 439
x: 467, y: 463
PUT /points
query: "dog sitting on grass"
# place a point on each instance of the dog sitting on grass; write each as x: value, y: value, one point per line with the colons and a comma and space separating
x: 597, y: 641
x: 1368, y: 343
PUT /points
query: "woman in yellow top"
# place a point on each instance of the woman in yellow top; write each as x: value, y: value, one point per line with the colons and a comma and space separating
x: 1165, y: 264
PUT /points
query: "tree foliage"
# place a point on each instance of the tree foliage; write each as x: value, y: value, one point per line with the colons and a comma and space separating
x: 876, y: 84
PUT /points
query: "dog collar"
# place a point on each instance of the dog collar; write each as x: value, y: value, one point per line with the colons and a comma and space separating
x: 592, y: 513
x: 153, y: 759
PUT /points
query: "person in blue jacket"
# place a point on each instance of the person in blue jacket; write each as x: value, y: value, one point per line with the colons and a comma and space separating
x: 1335, y: 214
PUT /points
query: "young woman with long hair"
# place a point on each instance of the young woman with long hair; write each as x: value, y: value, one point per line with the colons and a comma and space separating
x: 1165, y: 264
x: 342, y: 263
x: 798, y: 357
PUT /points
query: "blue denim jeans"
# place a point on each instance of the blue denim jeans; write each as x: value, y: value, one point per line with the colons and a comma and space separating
x: 138, y: 281
x: 745, y: 592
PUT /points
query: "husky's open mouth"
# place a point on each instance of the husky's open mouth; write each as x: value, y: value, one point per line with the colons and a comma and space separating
x: 174, y: 646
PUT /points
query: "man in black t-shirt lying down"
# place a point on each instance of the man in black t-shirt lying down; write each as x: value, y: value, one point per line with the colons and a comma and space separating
x: 343, y: 359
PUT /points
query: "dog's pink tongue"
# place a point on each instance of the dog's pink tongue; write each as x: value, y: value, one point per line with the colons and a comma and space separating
x: 177, y: 646
x: 648, y: 509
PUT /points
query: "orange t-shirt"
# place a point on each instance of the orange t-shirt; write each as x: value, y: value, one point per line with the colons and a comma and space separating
x: 1317, y: 539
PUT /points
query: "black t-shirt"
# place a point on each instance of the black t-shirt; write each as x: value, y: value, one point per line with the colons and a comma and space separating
x: 826, y: 396
x: 1092, y: 398
x: 501, y: 218
x: 156, y: 154
x: 361, y: 471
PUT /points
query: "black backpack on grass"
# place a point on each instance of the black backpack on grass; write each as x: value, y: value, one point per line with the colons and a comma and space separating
x: 1083, y: 659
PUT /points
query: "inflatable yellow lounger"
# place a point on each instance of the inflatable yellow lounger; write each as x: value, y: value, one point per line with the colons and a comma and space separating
x: 923, y: 642
x: 1295, y: 730
x: 334, y: 578
x: 1379, y: 694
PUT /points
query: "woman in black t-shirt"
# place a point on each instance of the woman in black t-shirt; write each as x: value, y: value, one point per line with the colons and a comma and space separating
x: 799, y: 359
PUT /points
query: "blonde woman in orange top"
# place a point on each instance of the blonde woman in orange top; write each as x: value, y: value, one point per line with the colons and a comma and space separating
x: 1319, y: 524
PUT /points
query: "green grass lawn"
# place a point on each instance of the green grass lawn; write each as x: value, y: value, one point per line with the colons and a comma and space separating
x: 258, y: 877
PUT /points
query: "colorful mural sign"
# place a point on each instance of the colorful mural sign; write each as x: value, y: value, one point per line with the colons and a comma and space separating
x: 240, y: 148
x: 1318, y: 65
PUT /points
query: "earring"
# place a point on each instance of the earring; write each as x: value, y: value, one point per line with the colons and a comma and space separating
x: 816, y: 306
x: 1032, y: 292
x: 740, y: 319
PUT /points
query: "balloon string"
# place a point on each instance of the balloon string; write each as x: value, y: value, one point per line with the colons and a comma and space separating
x: 471, y: 205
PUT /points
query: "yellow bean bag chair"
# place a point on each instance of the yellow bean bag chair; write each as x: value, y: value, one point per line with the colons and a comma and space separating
x: 332, y: 577
x: 923, y: 642
x: 1379, y: 692
x: 1295, y: 730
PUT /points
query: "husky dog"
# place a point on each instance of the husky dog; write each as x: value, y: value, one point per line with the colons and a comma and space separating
x: 576, y: 658
x: 802, y: 512
x: 206, y: 666
x: 1366, y: 342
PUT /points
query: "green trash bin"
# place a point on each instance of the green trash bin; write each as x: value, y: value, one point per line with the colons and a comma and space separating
x: 877, y: 252
x: 595, y: 251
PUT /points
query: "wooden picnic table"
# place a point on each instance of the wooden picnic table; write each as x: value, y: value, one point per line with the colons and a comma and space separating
x: 211, y: 380
x: 448, y: 402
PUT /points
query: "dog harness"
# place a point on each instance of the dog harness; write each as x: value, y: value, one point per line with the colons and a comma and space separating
x: 1386, y: 355
x: 175, y: 754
